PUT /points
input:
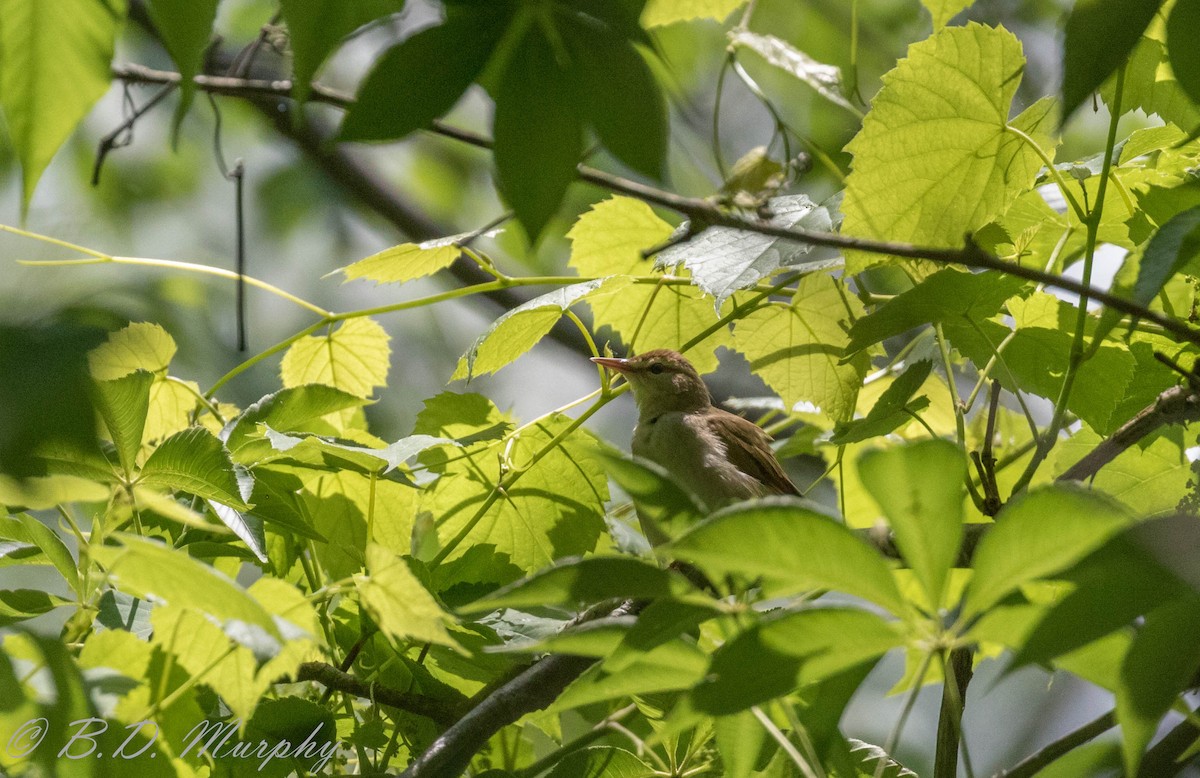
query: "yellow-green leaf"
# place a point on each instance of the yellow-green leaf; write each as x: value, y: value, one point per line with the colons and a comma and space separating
x: 54, y: 64
x: 406, y: 262
x: 934, y: 160
x: 519, y: 330
x: 798, y: 348
x: 139, y: 346
x: 662, y: 12
x: 354, y: 358
x: 943, y: 11
x: 399, y: 604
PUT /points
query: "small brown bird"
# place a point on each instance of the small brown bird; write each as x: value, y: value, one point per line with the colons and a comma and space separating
x: 720, y: 457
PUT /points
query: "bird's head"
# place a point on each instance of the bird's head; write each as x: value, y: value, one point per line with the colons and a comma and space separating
x: 662, y: 381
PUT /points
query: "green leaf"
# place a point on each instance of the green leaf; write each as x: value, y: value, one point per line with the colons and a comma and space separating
x: 1174, y: 249
x: 1150, y: 83
x: 790, y: 548
x: 138, y: 346
x: 398, y: 603
x: 355, y: 358
x: 825, y: 79
x: 519, y: 329
x: 45, y: 492
x: 795, y: 649
x: 741, y: 741
x: 46, y: 367
x: 939, y: 123
x: 54, y: 64
x: 467, y: 418
x: 1111, y: 587
x: 1160, y: 664
x: 1036, y: 360
x: 150, y: 570
x: 658, y: 13
x: 408, y: 261
x: 538, y: 132
x: 316, y: 27
x: 925, y: 512
x: 1100, y: 34
x: 947, y: 295
x: 123, y: 404
x: 422, y: 78
x: 185, y: 27
x: 313, y: 449
x: 1037, y: 534
x: 194, y: 461
x: 17, y: 605
x: 609, y: 239
x: 799, y: 349
x: 677, y: 664
x: 276, y: 499
x: 288, y: 410
x: 1183, y: 29
x: 33, y: 531
x: 1150, y: 478
x: 574, y: 582
x: 601, y: 761
x: 664, y: 508
x: 723, y: 260
x: 622, y: 100
x: 893, y: 408
x: 552, y: 511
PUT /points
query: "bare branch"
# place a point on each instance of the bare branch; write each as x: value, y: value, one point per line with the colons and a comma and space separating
x: 1177, y: 405
x: 702, y: 211
x: 1034, y: 763
x: 444, y: 712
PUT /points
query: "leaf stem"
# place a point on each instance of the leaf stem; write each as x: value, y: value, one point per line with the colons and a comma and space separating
x: 1051, y: 169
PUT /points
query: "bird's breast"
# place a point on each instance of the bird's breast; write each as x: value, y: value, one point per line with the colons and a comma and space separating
x: 685, y: 446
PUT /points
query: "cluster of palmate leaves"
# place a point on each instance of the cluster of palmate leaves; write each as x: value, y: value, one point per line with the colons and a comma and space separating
x: 440, y: 563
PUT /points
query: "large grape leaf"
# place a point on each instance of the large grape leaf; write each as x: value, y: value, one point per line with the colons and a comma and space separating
x: 354, y: 358
x: 553, y: 510
x: 609, y: 239
x: 934, y: 160
x: 799, y: 348
x: 1150, y: 83
x: 658, y: 13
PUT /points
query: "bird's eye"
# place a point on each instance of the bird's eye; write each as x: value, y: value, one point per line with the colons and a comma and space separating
x: 656, y: 369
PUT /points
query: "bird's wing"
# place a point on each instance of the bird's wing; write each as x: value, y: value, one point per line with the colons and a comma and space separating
x: 749, y: 449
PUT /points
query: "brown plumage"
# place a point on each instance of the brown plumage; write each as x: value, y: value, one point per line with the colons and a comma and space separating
x: 719, y: 456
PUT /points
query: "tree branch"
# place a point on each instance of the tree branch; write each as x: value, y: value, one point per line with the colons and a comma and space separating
x: 1177, y: 405
x: 1162, y: 760
x: 1034, y: 763
x: 702, y: 211
x: 530, y: 691
x: 444, y: 712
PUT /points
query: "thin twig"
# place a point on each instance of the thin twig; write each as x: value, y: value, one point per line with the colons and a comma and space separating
x: 444, y: 712
x: 1034, y: 763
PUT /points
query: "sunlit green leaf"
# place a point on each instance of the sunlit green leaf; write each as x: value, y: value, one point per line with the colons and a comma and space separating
x: 925, y: 512
x: 939, y: 124
x: 893, y: 408
x: 150, y: 570
x: 123, y: 404
x: 789, y: 548
x: 825, y: 79
x: 1150, y: 83
x: 519, y: 329
x: 194, y: 461
x: 799, y: 349
x: 289, y: 410
x: 1175, y: 248
x: 1161, y: 661
x: 944, y: 296
x: 1039, y: 533
x: 658, y: 13
x: 54, y: 64
x: 355, y: 358
x: 398, y: 603
x: 601, y: 760
x: 664, y: 507
x: 139, y: 346
x: 17, y: 605
x: 408, y: 261
x: 794, y: 649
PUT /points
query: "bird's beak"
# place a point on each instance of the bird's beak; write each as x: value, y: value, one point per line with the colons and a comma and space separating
x: 614, y: 364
